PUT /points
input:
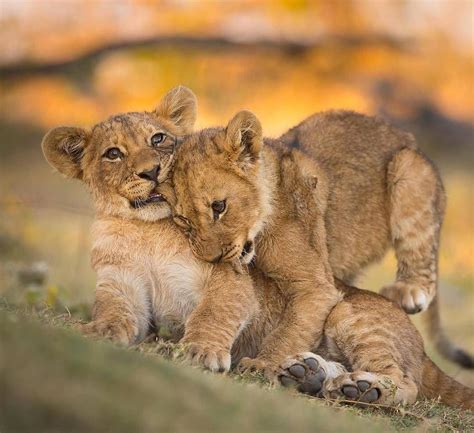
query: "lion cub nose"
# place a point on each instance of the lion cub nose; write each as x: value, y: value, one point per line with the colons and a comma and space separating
x: 150, y: 174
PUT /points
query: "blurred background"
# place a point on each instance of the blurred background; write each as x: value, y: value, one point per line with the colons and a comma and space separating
x: 77, y: 62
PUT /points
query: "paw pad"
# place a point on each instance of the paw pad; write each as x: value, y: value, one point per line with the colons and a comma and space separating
x: 307, y: 376
x: 297, y: 370
x: 361, y: 391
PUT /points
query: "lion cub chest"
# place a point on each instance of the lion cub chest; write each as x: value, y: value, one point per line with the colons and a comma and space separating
x: 177, y: 283
x: 159, y: 265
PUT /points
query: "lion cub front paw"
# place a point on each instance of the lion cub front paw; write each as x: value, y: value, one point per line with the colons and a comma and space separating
x: 121, y: 332
x: 252, y: 365
x: 202, y: 354
x: 411, y: 298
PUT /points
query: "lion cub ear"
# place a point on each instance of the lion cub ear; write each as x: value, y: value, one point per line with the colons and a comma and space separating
x: 244, y: 137
x: 63, y: 148
x: 180, y: 106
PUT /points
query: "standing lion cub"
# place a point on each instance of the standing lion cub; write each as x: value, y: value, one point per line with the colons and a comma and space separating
x: 373, y: 188
x: 228, y: 218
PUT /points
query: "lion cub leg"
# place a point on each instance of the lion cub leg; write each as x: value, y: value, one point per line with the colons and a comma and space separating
x: 311, y: 374
x: 293, y: 252
x: 226, y: 306
x: 417, y: 205
x: 121, y: 309
x: 309, y: 292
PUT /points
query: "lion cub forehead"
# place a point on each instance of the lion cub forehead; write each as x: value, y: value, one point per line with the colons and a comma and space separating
x: 128, y: 123
x: 200, y: 145
x: 126, y: 127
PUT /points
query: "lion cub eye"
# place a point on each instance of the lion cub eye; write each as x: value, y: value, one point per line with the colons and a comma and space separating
x: 218, y: 207
x: 113, y: 154
x: 157, y: 139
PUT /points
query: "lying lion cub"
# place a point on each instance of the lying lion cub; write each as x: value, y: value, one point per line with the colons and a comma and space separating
x: 374, y: 189
x: 145, y: 270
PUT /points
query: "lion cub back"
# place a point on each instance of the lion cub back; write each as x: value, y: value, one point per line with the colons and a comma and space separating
x: 354, y: 150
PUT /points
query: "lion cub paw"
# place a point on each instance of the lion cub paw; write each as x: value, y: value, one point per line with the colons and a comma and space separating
x: 411, y: 298
x: 215, y: 360
x: 252, y: 365
x: 308, y: 373
x: 359, y: 386
x: 121, y: 332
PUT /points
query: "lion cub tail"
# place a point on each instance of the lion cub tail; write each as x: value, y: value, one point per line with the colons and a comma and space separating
x: 443, y: 344
x: 437, y: 384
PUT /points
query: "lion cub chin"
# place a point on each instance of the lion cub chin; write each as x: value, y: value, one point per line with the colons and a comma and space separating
x: 145, y: 270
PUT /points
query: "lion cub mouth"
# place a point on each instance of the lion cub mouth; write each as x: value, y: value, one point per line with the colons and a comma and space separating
x: 154, y: 197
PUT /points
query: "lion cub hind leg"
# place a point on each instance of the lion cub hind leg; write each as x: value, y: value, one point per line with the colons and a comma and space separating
x: 380, y: 345
x: 417, y: 203
x: 308, y: 373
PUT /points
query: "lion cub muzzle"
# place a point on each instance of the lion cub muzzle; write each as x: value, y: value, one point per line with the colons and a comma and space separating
x: 151, y: 174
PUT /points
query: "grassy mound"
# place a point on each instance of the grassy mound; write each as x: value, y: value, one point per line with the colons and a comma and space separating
x: 54, y: 380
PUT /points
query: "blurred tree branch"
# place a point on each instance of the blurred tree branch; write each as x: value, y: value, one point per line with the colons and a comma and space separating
x: 42, y: 205
x: 210, y: 43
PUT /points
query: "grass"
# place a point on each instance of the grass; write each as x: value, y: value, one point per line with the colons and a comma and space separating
x: 55, y: 380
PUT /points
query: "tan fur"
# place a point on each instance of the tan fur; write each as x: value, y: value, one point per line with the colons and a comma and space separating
x: 366, y: 338
x: 375, y: 341
x: 375, y: 189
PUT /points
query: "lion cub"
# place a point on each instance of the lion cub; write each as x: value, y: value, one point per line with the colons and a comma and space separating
x: 374, y: 189
x: 145, y: 271
x: 236, y: 205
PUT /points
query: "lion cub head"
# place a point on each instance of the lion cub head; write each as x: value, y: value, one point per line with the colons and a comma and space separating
x: 221, y: 192
x: 123, y: 159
